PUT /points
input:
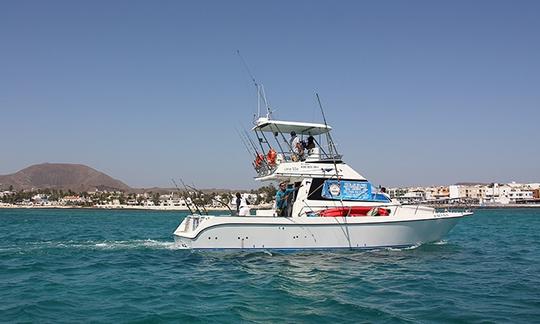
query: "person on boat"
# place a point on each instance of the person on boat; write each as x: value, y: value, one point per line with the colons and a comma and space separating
x: 282, y: 197
x: 296, y: 147
x: 310, y: 143
x: 238, y: 202
x: 244, y: 209
x: 385, y: 193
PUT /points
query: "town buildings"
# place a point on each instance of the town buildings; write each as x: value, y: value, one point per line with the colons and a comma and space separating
x: 477, y: 194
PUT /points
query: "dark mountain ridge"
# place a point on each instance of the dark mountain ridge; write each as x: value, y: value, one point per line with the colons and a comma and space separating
x: 65, y: 176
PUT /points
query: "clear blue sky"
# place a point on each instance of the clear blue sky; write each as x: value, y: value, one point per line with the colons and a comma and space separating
x: 419, y: 92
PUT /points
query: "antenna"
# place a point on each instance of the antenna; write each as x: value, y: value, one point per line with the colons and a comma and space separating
x: 260, y: 89
x: 247, y: 68
x: 268, y: 111
x: 331, y: 145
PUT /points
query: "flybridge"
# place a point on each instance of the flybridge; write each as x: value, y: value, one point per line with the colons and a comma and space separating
x: 280, y: 142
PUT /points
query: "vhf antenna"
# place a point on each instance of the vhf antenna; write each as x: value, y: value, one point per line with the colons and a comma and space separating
x: 260, y: 89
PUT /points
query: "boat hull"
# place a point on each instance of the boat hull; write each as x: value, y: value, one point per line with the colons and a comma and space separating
x: 334, y: 233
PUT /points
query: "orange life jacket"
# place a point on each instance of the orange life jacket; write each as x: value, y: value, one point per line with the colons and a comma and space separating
x: 271, y: 157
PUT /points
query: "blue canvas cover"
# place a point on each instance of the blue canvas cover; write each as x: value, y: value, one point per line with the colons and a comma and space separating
x: 350, y: 190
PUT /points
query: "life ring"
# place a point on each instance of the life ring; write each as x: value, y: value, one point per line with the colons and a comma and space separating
x: 271, y: 157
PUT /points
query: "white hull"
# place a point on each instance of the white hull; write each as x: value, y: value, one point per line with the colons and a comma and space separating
x: 312, y: 232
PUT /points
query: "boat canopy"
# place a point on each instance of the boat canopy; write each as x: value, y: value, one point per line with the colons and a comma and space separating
x: 267, y: 125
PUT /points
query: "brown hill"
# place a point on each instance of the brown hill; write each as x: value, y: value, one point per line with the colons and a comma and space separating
x: 76, y: 177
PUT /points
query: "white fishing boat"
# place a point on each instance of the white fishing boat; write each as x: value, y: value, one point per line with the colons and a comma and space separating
x: 329, y: 205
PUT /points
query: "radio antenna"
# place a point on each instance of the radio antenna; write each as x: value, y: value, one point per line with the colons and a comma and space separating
x: 260, y: 89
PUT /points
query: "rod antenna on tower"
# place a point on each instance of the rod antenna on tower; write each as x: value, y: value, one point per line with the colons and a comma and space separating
x: 260, y: 89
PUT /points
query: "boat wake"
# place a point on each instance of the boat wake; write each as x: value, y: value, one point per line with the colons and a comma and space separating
x: 135, y: 244
x: 93, y: 245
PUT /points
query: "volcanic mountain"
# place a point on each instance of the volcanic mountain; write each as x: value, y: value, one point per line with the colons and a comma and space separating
x: 76, y: 177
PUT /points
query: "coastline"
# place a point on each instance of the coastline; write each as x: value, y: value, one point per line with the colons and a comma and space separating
x: 10, y: 206
x: 153, y: 208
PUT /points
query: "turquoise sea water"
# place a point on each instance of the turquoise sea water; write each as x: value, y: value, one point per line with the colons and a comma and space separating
x: 68, y: 266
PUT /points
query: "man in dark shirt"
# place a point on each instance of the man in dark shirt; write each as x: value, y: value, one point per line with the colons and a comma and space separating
x: 238, y: 202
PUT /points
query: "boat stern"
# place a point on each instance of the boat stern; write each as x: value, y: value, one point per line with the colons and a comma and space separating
x: 185, y: 232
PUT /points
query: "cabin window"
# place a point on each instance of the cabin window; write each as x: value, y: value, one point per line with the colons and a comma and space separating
x: 343, y: 190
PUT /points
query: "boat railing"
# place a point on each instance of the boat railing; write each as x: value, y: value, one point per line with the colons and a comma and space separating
x: 191, y: 222
x: 267, y: 166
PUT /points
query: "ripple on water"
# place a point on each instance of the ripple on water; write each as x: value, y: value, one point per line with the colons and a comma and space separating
x: 105, y: 266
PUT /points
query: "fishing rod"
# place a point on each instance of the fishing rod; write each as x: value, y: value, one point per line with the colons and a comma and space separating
x: 251, y: 142
x: 250, y: 152
x: 329, y: 138
x: 244, y: 142
x: 245, y: 137
x: 178, y: 189
x: 199, y: 196
x: 248, y: 139
x: 255, y: 148
x: 215, y: 199
x: 331, y: 145
x: 190, y: 198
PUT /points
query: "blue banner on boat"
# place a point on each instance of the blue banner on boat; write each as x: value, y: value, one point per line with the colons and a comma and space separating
x: 350, y: 190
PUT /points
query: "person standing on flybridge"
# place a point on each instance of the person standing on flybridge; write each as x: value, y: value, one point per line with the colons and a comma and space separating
x: 296, y: 147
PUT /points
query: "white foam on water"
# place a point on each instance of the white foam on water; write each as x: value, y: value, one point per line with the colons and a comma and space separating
x: 99, y: 245
x: 412, y: 247
x: 441, y: 242
x: 159, y: 244
x: 135, y: 244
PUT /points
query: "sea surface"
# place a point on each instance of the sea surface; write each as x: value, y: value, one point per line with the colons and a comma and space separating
x: 69, y: 266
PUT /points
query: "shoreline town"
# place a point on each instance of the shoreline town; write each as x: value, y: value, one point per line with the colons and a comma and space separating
x: 494, y: 195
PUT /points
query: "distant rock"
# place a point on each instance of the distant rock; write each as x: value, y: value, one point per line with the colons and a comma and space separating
x: 76, y: 177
